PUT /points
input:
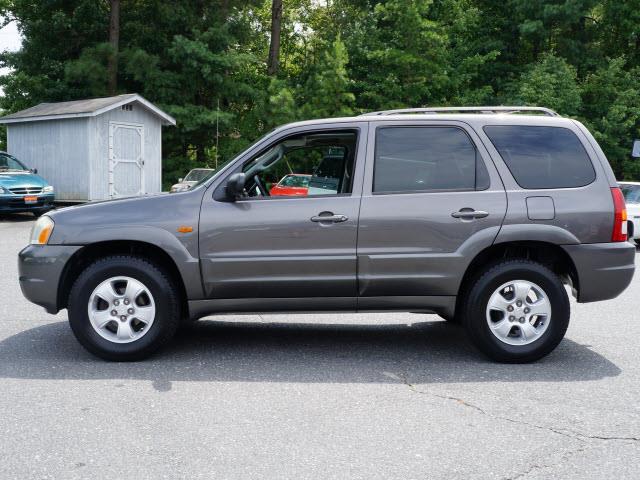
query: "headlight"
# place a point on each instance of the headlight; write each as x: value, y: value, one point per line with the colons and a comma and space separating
x: 180, y: 188
x: 4, y: 191
x: 48, y: 189
x: 41, y: 231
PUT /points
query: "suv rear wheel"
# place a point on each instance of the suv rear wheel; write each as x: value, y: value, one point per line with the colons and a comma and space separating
x: 516, y: 311
x: 123, y: 308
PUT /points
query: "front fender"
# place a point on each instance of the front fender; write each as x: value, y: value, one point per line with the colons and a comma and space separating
x: 152, y: 220
x: 187, y: 264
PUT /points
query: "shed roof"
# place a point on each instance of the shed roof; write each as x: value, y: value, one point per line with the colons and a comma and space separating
x: 83, y: 108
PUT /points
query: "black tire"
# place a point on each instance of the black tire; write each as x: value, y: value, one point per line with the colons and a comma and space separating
x: 166, y: 320
x: 474, y: 307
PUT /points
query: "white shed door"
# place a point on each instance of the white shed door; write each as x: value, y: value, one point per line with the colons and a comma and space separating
x: 126, y: 159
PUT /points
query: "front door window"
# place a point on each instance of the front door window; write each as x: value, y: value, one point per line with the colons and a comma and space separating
x: 311, y: 164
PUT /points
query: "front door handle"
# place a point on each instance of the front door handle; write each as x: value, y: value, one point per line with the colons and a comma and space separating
x: 329, y: 218
x: 469, y: 214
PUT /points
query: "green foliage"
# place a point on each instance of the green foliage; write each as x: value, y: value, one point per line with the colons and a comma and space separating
x: 612, y: 112
x: 280, y: 105
x: 89, y: 71
x: 326, y: 92
x: 205, y: 63
x: 551, y: 82
x: 399, y: 56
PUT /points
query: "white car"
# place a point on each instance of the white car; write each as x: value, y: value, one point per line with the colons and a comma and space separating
x: 631, y: 192
x: 194, y: 177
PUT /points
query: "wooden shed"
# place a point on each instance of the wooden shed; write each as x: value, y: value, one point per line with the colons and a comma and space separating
x: 92, y: 149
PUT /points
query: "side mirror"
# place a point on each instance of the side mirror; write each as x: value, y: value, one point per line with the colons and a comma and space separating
x: 635, y: 151
x: 34, y: 170
x: 235, y: 186
x: 180, y: 180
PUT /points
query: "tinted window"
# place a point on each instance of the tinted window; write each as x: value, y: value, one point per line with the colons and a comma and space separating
x: 426, y: 158
x: 543, y: 157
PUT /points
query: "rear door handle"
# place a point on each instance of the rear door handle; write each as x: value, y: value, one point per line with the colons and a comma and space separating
x: 329, y: 217
x: 469, y: 214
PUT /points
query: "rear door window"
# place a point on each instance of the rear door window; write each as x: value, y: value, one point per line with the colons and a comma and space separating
x: 542, y: 157
x: 415, y: 159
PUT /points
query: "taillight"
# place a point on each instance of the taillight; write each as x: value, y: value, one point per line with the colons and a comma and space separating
x: 619, y: 217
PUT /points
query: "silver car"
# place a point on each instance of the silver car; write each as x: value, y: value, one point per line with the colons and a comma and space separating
x: 194, y: 177
x: 482, y: 215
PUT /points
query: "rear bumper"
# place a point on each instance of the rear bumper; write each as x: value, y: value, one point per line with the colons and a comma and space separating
x: 40, y: 270
x: 16, y: 203
x: 604, y: 270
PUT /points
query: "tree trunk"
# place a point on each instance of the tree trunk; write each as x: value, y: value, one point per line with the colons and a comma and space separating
x: 114, y: 40
x: 274, y: 47
x: 201, y: 157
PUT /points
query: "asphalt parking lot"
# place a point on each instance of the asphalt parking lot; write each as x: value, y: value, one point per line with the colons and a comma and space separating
x: 316, y: 396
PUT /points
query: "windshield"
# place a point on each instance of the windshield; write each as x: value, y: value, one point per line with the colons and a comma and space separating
x: 198, y: 175
x: 9, y: 163
x: 295, y: 181
x: 631, y: 193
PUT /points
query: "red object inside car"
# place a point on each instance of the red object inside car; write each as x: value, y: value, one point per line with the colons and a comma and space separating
x: 291, y: 186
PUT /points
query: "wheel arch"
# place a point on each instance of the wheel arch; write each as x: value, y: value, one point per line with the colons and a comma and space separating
x: 88, y: 254
x: 549, y: 254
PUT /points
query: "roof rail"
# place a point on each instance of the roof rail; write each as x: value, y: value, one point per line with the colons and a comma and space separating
x: 497, y: 109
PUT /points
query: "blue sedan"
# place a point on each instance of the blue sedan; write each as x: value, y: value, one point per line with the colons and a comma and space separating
x: 21, y: 189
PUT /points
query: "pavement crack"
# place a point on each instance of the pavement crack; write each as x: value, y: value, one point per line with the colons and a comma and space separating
x: 413, y: 388
x: 598, y: 437
x: 568, y: 433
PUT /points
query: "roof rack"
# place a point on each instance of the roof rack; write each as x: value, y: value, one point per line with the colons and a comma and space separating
x: 498, y: 109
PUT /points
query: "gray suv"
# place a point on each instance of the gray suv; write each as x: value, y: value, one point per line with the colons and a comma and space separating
x: 481, y: 215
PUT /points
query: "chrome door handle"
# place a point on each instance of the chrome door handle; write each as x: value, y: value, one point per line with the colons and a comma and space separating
x: 469, y: 214
x: 329, y: 218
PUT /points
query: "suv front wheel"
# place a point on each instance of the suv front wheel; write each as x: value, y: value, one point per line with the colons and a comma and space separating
x: 516, y: 311
x: 123, y: 308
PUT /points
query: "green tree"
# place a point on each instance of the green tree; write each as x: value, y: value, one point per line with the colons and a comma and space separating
x: 54, y: 33
x: 326, y: 93
x: 206, y: 62
x: 612, y: 112
x: 399, y: 56
x: 551, y: 82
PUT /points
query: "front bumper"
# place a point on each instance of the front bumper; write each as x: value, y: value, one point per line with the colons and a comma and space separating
x: 16, y: 203
x: 604, y: 270
x: 40, y: 269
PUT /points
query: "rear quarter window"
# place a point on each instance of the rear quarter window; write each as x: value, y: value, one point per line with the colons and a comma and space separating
x: 542, y: 157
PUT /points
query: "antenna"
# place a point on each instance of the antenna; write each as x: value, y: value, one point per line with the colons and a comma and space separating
x: 217, y: 130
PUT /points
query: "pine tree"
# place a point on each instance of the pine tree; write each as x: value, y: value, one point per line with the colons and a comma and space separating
x: 327, y: 90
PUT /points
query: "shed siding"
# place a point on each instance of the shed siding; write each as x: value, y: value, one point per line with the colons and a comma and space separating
x: 59, y: 150
x: 99, y: 148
